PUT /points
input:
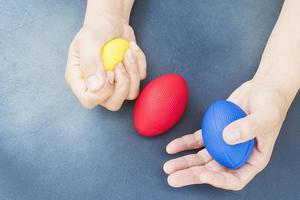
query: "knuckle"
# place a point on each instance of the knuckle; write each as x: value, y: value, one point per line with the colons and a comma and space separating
x: 143, y: 76
x: 196, y: 136
x: 239, y: 187
x: 124, y: 92
x: 86, y: 103
x: 185, y: 141
x: 130, y: 29
x: 132, y: 96
x: 113, y: 108
x: 124, y: 87
x: 130, y: 32
x: 276, y: 115
x: 196, y: 174
x: 264, y: 164
x: 246, y: 84
x: 248, y: 129
x: 201, y: 158
x: 105, y: 96
x: 126, y: 80
x: 250, y: 124
x: 143, y: 56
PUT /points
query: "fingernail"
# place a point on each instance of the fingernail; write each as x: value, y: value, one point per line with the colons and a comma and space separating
x: 232, y: 136
x: 131, y: 56
x: 168, y: 149
x: 93, y: 82
x: 173, y: 180
x: 166, y: 168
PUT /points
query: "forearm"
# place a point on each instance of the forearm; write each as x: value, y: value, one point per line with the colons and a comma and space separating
x: 281, y: 59
x: 97, y: 8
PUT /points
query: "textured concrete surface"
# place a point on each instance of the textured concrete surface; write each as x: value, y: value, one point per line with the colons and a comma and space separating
x: 53, y: 149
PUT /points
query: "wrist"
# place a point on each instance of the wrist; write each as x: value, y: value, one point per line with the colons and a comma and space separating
x: 98, y: 9
x: 280, y: 63
x: 284, y: 83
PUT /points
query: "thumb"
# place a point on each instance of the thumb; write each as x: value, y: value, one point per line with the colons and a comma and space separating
x: 95, y: 79
x: 91, y: 65
x: 247, y: 128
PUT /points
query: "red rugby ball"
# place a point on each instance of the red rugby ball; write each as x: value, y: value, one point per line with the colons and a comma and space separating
x: 160, y: 105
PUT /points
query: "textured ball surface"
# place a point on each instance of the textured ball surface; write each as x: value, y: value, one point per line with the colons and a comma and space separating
x: 218, y: 116
x: 160, y: 105
x: 113, y: 52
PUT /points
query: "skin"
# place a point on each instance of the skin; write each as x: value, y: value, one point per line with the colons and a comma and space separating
x: 85, y: 74
x: 266, y: 97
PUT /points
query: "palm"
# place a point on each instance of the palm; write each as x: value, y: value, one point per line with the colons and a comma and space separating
x: 201, y: 168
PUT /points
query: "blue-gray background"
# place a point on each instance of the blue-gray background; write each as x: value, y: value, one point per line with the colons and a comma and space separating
x: 52, y: 148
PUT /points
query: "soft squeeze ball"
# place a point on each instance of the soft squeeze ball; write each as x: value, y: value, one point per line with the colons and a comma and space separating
x: 113, y: 52
x: 160, y: 105
x: 218, y: 116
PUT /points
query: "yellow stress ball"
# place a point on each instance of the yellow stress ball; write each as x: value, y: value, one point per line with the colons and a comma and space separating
x: 113, y: 52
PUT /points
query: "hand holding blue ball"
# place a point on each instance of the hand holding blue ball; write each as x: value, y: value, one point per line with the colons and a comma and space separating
x: 218, y: 116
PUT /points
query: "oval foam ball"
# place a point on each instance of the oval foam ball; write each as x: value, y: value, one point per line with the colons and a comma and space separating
x: 160, y: 105
x: 218, y: 116
x: 113, y: 52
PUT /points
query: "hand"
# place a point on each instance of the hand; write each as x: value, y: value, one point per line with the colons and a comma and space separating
x: 85, y: 73
x: 266, y: 106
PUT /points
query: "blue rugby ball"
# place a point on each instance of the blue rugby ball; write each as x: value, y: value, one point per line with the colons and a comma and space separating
x: 218, y: 116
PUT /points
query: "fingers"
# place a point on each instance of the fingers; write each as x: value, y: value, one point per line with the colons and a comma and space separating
x: 101, y: 95
x: 238, y: 94
x: 92, y: 84
x: 239, y: 178
x: 97, y: 80
x: 127, y: 82
x: 187, y: 142
x: 110, y: 75
x: 79, y: 89
x: 231, y: 179
x: 201, y: 158
x: 121, y: 89
x: 186, y: 177
x: 220, y: 179
x: 87, y: 98
x: 204, y: 175
x: 202, y: 169
x: 135, y: 64
x: 141, y: 59
x: 74, y: 76
x: 249, y: 127
x: 78, y: 83
x: 90, y: 61
x: 131, y: 66
x: 128, y: 33
x: 257, y: 162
